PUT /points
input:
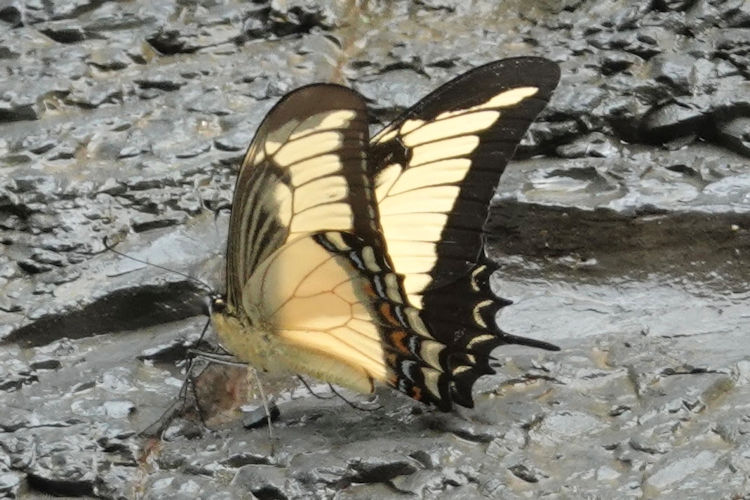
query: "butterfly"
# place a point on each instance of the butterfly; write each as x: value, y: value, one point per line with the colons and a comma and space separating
x: 360, y: 261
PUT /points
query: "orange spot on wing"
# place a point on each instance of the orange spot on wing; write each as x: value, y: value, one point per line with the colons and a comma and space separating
x: 391, y: 358
x: 369, y: 290
x: 387, y: 312
x: 397, y: 340
x: 416, y: 393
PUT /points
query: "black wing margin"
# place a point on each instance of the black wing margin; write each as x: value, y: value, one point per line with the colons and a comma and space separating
x: 436, y: 169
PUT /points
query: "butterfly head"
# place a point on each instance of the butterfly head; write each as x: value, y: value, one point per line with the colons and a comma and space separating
x: 217, y: 304
x: 249, y: 340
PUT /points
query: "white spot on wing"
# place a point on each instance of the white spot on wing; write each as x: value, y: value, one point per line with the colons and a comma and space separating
x: 502, y: 100
x: 448, y: 148
x: 437, y: 199
x: 392, y: 288
x: 324, y: 121
x: 477, y: 315
x: 410, y: 125
x: 336, y: 216
x: 320, y: 192
x: 313, y: 168
x: 431, y: 378
x: 460, y: 369
x: 451, y: 127
x: 476, y: 272
x: 368, y: 255
x: 416, y: 323
x: 429, y: 351
x: 337, y: 240
x: 478, y: 340
x: 448, y: 171
x: 316, y: 144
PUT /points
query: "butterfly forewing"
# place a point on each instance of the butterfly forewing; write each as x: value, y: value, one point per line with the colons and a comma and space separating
x: 437, y: 167
x: 435, y: 171
x: 305, y: 171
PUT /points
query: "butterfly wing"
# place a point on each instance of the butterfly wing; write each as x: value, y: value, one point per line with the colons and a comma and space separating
x: 311, y: 286
x: 435, y: 171
x: 291, y: 303
x: 304, y: 171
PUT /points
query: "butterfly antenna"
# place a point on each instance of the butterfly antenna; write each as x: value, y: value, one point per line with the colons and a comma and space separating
x: 355, y: 405
x: 309, y: 389
x: 111, y: 248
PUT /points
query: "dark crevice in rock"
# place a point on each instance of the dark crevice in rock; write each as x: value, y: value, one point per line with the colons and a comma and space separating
x: 523, y: 472
x: 18, y: 113
x: 124, y: 309
x: 242, y: 459
x: 11, y: 14
x: 60, y: 487
x: 552, y: 231
x: 366, y: 472
x: 170, y: 42
x: 67, y: 35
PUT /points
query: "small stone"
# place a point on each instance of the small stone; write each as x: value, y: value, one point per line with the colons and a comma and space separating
x: 674, y: 70
x: 11, y: 12
x: 118, y: 409
x: 671, y: 121
x: 523, y: 472
x: 45, y: 364
x: 64, y: 31
x: 595, y: 144
x: 264, y: 481
x: 109, y: 58
x: 616, y: 61
x: 162, y: 81
x: 145, y: 222
x: 112, y: 187
x: 255, y: 417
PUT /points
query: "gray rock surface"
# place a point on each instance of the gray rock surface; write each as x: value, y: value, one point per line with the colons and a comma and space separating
x: 622, y: 229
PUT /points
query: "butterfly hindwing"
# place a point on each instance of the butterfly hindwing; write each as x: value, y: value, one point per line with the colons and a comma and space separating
x: 435, y: 170
x: 412, y: 358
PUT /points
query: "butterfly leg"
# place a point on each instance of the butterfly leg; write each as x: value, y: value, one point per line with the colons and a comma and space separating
x: 355, y: 405
x: 309, y: 389
x: 266, y: 407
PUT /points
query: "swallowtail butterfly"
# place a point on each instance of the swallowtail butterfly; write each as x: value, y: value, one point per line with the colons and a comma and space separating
x: 360, y: 261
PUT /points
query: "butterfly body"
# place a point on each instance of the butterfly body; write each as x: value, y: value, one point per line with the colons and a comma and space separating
x: 360, y: 262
